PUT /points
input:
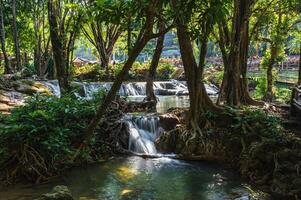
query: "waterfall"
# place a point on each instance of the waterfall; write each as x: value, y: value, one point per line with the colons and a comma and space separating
x: 172, y: 87
x: 53, y: 86
x: 143, y: 131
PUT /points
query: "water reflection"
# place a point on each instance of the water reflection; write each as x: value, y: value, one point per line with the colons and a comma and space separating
x: 138, y: 178
x: 166, y: 102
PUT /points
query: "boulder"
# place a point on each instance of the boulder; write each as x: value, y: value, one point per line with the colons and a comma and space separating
x: 5, y: 108
x: 169, y: 121
x: 30, y: 87
x: 59, y: 192
x: 3, y: 97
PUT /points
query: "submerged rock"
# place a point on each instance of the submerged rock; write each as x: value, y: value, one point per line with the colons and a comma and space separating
x: 59, y: 192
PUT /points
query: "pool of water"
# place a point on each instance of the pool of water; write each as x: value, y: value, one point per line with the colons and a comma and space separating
x: 145, y: 179
x: 166, y: 102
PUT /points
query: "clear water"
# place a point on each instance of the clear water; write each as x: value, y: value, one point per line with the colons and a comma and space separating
x: 166, y: 102
x: 145, y: 179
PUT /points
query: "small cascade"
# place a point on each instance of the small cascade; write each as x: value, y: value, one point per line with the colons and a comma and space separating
x: 143, y: 131
x: 133, y: 89
x: 53, y: 86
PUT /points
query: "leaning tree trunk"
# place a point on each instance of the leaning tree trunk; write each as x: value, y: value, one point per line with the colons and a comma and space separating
x: 299, y: 77
x: 16, y: 36
x: 193, y: 80
x: 150, y: 94
x: 57, y: 49
x: 144, y: 36
x: 7, y: 69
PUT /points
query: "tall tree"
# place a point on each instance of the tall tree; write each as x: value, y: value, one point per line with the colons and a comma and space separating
x: 7, y: 69
x: 272, y: 29
x: 145, y: 35
x: 64, y: 23
x: 198, y: 97
x: 104, y: 27
x: 42, y: 39
x: 234, y: 45
x: 16, y: 35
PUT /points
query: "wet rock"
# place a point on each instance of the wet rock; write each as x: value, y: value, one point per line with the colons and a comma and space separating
x: 165, y: 92
x: 78, y: 89
x: 60, y: 192
x: 169, y: 121
x: 144, y: 106
x: 3, y: 97
x: 30, y: 87
x: 5, y: 108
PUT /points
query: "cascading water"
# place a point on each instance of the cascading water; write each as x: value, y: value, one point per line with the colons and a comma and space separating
x: 143, y: 131
x: 53, y: 86
x: 172, y: 87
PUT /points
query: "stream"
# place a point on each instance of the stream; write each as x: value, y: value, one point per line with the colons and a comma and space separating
x: 134, y: 177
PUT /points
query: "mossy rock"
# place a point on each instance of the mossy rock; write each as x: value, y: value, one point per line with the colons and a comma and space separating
x: 31, y: 87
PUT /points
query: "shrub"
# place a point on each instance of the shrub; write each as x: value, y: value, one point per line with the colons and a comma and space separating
x: 256, y: 122
x: 88, y: 71
x: 140, y: 70
x: 43, y: 135
x: 165, y: 70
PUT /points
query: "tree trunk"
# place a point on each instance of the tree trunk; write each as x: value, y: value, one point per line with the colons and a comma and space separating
x: 58, y: 49
x: 143, y: 38
x: 269, y: 93
x: 150, y: 94
x: 7, y: 69
x: 38, y: 45
x: 16, y: 36
x: 198, y: 97
x: 299, y: 77
x: 129, y: 35
x: 235, y: 83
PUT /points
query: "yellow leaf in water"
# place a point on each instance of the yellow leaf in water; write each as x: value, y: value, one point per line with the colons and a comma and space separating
x: 86, y: 198
x: 126, y: 191
x: 125, y: 173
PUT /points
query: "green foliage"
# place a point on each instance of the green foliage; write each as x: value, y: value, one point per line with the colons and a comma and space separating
x: 256, y: 122
x: 165, y: 70
x: 28, y: 70
x: 87, y: 71
x: 282, y: 95
x: 140, y: 70
x: 261, y: 87
x: 52, y: 126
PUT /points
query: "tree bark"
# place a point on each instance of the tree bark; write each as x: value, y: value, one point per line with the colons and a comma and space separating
x: 269, y: 93
x: 150, y: 94
x: 7, y: 69
x: 16, y: 36
x: 235, y: 82
x: 198, y: 97
x: 299, y: 77
x: 58, y: 49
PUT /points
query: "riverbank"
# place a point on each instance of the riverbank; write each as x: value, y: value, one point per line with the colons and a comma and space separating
x: 251, y: 141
